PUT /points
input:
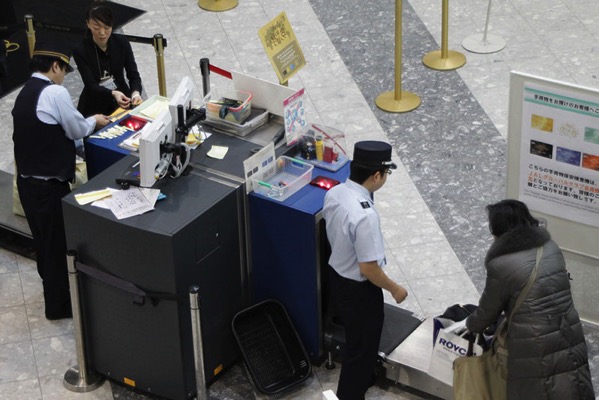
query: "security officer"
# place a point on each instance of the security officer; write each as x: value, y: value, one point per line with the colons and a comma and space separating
x: 46, y: 126
x: 357, y: 257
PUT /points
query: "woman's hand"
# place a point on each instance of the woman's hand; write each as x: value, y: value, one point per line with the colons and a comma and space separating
x: 136, y: 98
x: 122, y: 100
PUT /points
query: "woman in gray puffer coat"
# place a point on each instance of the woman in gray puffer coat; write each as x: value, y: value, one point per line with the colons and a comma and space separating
x: 547, y: 350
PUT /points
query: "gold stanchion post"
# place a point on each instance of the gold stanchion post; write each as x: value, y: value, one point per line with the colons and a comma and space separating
x: 159, y: 49
x: 217, y: 5
x: 30, y: 33
x: 397, y: 100
x: 444, y: 59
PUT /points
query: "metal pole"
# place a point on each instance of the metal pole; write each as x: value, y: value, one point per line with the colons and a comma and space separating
x: 205, y: 70
x: 217, y: 5
x: 487, y: 22
x: 398, y: 100
x: 198, y: 348
x: 444, y: 28
x: 30, y: 33
x: 398, y: 47
x: 444, y: 59
x: 78, y: 378
x: 484, y: 43
x: 159, y: 49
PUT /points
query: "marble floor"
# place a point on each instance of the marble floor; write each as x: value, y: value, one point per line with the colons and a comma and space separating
x: 451, y: 151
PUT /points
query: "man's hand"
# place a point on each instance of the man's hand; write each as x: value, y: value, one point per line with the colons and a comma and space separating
x: 399, y: 294
x: 101, y: 121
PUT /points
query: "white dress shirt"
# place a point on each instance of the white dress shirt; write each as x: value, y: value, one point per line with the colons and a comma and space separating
x: 353, y: 229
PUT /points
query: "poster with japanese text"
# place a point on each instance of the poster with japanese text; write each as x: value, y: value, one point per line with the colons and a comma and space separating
x: 559, y: 154
x: 282, y: 48
x: 295, y: 116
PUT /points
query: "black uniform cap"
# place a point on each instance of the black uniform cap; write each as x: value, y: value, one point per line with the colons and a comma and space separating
x: 373, y: 153
x: 56, y: 50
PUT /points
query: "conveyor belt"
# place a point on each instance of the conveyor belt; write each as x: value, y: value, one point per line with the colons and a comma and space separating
x: 408, y: 363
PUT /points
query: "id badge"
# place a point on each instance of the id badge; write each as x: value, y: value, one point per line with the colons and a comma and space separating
x: 108, y: 83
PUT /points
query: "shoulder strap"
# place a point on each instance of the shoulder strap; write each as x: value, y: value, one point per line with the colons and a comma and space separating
x: 526, y: 289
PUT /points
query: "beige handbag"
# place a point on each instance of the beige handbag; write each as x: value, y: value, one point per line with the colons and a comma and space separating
x: 80, y: 179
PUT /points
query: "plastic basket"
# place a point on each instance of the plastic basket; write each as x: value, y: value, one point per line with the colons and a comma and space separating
x: 287, y: 177
x: 222, y: 106
x: 271, y: 348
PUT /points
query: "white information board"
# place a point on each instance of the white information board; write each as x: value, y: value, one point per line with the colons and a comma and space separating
x: 553, y: 166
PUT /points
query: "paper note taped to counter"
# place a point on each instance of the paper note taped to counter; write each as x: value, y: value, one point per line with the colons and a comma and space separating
x: 218, y: 152
x: 89, y: 197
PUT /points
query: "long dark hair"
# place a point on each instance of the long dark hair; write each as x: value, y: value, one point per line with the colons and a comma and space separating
x: 508, y: 215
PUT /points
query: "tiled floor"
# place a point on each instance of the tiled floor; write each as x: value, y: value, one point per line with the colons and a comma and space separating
x: 451, y: 150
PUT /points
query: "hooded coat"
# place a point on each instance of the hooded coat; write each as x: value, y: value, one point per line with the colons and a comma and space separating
x: 548, y: 356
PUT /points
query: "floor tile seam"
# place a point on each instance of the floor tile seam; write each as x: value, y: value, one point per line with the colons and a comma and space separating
x: 400, y: 250
x: 438, y: 239
x: 20, y: 285
x: 35, y: 374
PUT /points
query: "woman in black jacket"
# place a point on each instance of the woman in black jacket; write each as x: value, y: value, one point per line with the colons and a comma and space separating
x: 547, y: 350
x: 102, y: 60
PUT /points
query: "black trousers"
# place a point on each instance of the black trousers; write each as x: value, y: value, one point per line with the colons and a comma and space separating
x: 42, y: 204
x: 360, y: 306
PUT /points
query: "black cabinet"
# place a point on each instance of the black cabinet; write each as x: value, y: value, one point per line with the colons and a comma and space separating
x: 193, y: 237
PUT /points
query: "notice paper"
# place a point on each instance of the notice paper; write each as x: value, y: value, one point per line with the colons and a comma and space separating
x: 130, y: 202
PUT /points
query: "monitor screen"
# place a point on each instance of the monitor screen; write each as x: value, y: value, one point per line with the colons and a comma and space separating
x: 183, y: 96
x: 153, y: 164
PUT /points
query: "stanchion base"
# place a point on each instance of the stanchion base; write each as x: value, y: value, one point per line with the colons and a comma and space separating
x: 477, y: 43
x: 217, y: 5
x: 73, y: 382
x: 454, y: 60
x: 407, y: 102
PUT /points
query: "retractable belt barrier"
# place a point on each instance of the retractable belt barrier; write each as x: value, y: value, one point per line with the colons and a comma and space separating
x: 139, y: 295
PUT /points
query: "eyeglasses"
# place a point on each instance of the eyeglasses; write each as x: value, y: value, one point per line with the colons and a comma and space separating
x: 389, y: 171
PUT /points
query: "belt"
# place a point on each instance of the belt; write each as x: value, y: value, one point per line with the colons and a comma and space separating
x: 43, y: 182
x: 349, y: 281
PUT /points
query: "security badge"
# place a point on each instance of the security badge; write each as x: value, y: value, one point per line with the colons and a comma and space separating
x: 366, y: 205
x: 108, y: 83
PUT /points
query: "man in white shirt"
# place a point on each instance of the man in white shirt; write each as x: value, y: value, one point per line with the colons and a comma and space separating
x: 46, y: 126
x: 357, y: 260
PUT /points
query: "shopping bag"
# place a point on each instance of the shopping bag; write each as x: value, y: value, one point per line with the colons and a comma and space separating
x: 449, y: 346
x: 480, y: 377
x: 451, y: 315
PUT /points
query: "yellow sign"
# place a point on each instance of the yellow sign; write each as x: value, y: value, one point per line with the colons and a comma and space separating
x: 282, y: 47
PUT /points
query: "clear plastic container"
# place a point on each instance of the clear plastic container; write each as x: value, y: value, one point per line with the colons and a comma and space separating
x: 289, y: 176
x: 232, y: 105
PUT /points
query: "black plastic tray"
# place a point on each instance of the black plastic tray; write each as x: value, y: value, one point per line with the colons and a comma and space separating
x: 273, y: 352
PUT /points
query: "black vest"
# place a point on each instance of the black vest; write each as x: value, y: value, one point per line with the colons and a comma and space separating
x: 40, y: 149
